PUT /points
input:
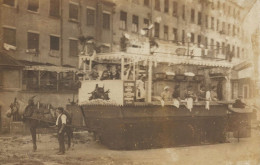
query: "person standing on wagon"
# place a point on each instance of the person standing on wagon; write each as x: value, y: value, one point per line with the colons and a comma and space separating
x: 61, y: 124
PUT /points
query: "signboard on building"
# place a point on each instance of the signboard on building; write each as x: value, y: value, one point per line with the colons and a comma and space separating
x: 129, y: 92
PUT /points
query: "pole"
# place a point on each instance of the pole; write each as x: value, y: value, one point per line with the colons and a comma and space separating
x: 39, y: 79
x: 149, y: 98
x: 134, y: 69
x: 122, y: 67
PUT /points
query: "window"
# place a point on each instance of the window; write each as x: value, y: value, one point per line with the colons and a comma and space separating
x: 206, y: 42
x: 54, y: 43
x: 55, y: 8
x: 192, y: 19
x: 238, y: 52
x: 9, y: 36
x: 218, y: 5
x: 166, y: 6
x: 183, y: 36
x: 217, y: 25
x: 199, y: 18
x: 106, y: 21
x: 33, y: 5
x: 157, y: 5
x: 234, y: 30
x: 223, y: 48
x: 90, y: 17
x: 156, y: 30
x: 166, y: 33
x: 123, y: 20
x: 135, y: 22
x: 175, y: 9
x: 183, y: 12
x: 218, y: 47
x: 234, y: 12
x: 175, y: 34
x: 228, y: 32
x: 229, y: 10
x: 73, y: 11
x: 73, y: 47
x: 33, y: 41
x: 146, y: 24
x: 199, y: 40
x: 147, y: 2
x: 233, y: 50
x: 9, y: 2
x: 223, y: 27
x: 224, y: 8
x: 206, y: 21
x: 212, y: 44
x: 192, y: 38
x: 212, y: 23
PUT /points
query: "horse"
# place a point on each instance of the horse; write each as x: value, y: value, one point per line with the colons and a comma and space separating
x: 37, y: 116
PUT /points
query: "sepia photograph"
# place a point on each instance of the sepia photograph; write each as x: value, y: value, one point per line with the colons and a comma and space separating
x: 129, y: 82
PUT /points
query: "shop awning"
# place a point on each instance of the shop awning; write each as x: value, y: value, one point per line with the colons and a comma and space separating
x: 242, y: 65
x: 37, y: 66
x: 7, y: 61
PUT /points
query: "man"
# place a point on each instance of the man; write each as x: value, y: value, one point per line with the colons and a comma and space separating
x: 61, y: 124
x: 176, y: 96
x: 239, y: 103
x: 165, y: 95
x: 140, y: 89
x: 208, y: 98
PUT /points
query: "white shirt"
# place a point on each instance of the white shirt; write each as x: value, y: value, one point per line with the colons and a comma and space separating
x: 208, y: 97
x: 63, y: 119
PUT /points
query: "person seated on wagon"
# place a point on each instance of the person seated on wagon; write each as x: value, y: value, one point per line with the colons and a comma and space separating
x: 189, y: 98
x: 176, y: 96
x: 165, y: 95
x: 239, y: 103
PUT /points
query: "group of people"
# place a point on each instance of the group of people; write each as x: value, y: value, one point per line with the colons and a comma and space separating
x: 204, y: 94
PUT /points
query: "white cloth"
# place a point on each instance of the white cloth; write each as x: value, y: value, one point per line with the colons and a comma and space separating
x: 190, y: 103
x: 208, y: 99
x: 63, y: 119
x: 176, y: 103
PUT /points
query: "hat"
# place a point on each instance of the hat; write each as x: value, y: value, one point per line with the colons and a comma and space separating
x: 60, y: 108
x: 165, y: 88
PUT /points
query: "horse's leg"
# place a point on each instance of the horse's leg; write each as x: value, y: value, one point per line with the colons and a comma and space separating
x: 33, y: 133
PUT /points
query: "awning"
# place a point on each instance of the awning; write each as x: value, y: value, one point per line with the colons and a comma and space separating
x: 171, y: 59
x: 242, y: 66
x: 37, y: 66
x: 7, y: 61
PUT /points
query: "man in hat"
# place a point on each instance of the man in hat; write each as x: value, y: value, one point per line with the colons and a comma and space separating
x: 61, y: 124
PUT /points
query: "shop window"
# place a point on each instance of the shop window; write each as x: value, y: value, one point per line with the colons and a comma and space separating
x: 183, y: 12
x: 147, y: 2
x: 123, y: 20
x: 33, y: 5
x: 157, y: 5
x: 175, y: 34
x: 55, y: 8
x: 73, y: 11
x: 135, y: 23
x: 90, y: 17
x: 192, y: 19
x: 9, y: 2
x: 9, y: 36
x: 166, y: 33
x: 73, y: 47
x: 166, y: 6
x: 33, y: 41
x: 212, y: 23
x: 199, y: 18
x: 106, y: 21
x: 54, y: 43
x: 175, y: 9
x: 156, y: 30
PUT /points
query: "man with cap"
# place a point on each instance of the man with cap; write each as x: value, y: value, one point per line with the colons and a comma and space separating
x: 61, y: 124
x: 239, y: 103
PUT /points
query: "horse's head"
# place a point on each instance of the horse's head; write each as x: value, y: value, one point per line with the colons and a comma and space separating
x: 14, y: 108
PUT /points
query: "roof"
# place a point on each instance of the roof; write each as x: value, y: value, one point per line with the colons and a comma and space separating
x: 8, y: 61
